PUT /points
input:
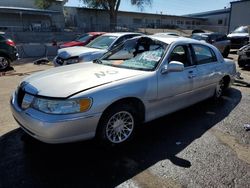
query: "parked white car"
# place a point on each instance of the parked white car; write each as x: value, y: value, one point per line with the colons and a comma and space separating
x: 168, y: 34
x: 94, y: 50
x: 146, y: 78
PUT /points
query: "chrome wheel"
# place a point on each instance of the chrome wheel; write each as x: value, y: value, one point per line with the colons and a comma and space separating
x: 4, y: 63
x: 219, y: 89
x: 119, y: 127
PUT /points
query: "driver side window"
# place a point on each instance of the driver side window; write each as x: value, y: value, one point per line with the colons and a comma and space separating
x: 180, y: 53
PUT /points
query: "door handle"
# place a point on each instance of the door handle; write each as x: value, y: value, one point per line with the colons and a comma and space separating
x: 191, y: 74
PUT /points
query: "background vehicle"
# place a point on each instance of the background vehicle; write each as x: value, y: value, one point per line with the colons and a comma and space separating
x: 94, y: 50
x: 142, y: 79
x: 217, y: 39
x: 8, y: 51
x: 82, y: 40
x: 168, y: 34
x: 239, y: 37
x: 244, y: 56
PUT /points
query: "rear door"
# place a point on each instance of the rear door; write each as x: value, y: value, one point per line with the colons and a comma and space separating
x: 208, y: 67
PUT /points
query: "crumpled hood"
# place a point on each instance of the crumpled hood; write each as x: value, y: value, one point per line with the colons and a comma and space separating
x: 77, y: 51
x: 67, y: 80
x: 235, y: 35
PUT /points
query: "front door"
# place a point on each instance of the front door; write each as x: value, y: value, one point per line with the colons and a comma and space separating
x: 175, y: 88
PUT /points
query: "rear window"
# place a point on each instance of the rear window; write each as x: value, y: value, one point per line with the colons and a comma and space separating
x: 199, y: 37
x: 83, y: 38
x: 241, y: 29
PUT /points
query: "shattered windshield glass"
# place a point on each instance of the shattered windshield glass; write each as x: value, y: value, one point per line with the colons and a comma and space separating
x: 140, y: 53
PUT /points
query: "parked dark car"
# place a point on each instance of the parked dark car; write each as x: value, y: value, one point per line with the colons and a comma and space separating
x: 239, y: 37
x: 8, y: 51
x: 217, y: 39
x: 244, y: 56
x: 82, y: 40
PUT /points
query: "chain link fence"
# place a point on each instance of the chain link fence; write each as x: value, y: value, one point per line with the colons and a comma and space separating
x: 36, y: 42
x: 50, y: 34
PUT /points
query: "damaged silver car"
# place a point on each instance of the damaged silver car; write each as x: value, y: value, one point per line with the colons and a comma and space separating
x: 141, y: 80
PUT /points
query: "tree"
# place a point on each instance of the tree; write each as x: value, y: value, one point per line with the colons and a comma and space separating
x: 44, y: 4
x: 112, y: 7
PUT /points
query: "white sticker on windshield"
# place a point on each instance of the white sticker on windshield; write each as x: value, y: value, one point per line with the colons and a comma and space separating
x: 151, y: 57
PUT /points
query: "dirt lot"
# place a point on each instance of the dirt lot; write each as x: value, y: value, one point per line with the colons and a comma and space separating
x: 207, y: 147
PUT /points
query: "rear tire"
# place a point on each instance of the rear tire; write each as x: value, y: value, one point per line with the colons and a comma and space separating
x: 117, y: 125
x: 241, y: 63
x: 226, y: 52
x: 4, y: 62
x: 220, y: 88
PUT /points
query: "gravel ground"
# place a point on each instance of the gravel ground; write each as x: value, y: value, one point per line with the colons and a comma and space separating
x: 204, y: 145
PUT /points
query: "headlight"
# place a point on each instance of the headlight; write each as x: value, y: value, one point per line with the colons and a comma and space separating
x: 71, y: 61
x: 69, y: 106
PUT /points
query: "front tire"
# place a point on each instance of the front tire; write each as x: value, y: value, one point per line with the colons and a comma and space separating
x: 4, y: 62
x: 117, y: 125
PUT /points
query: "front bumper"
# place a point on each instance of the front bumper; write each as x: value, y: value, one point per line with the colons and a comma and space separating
x: 55, y: 128
x: 59, y: 61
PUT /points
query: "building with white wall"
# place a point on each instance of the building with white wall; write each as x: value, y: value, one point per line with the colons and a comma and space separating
x: 239, y: 14
x: 96, y: 19
x: 216, y: 20
x: 24, y: 15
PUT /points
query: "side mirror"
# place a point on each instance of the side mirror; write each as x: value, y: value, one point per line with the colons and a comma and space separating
x: 173, y: 66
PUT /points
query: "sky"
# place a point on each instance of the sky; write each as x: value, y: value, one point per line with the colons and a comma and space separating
x: 170, y: 7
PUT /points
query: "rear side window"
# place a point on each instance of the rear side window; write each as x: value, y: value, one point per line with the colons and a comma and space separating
x: 203, y: 54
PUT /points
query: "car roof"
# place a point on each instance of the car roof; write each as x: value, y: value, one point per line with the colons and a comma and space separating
x: 170, y: 39
x: 167, y: 33
x: 185, y: 40
x: 96, y: 33
x: 207, y: 34
x: 119, y: 34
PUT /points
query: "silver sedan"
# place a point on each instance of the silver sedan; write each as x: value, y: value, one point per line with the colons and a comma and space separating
x: 94, y: 50
x: 143, y: 79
